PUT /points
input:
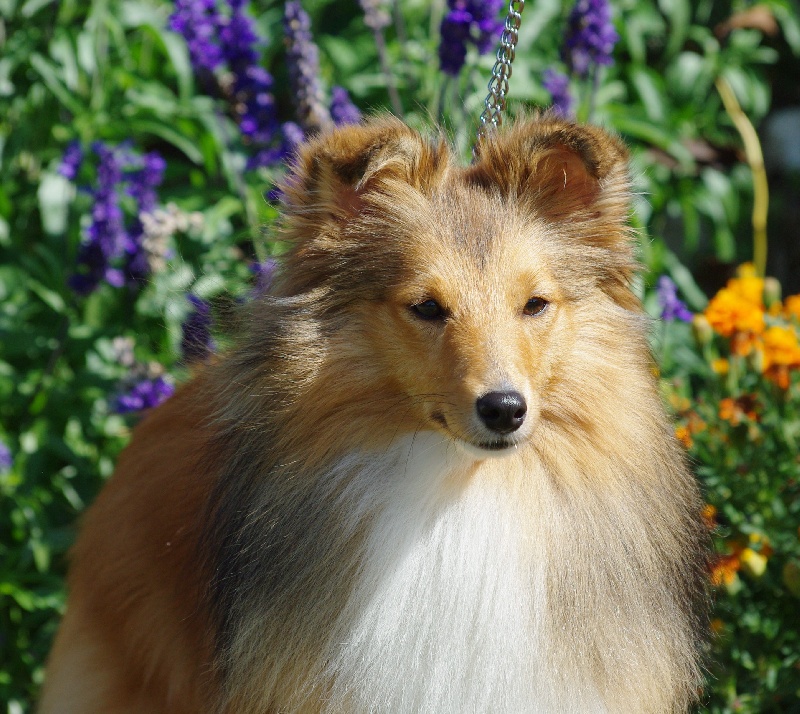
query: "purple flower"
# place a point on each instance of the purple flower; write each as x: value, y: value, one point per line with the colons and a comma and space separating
x: 672, y: 307
x: 231, y: 39
x: 143, y: 394
x: 469, y: 21
x: 198, y: 21
x: 590, y: 36
x: 558, y: 86
x: 343, y: 111
x: 196, y: 343
x: 6, y: 460
x: 144, y: 179
x: 105, y: 238
x: 264, y: 272
x: 255, y: 105
x: 112, y: 250
x: 71, y: 161
x: 302, y: 59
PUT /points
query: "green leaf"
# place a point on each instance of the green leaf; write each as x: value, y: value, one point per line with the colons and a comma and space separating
x: 170, y: 135
x: 650, y: 87
x: 695, y: 297
x: 50, y: 77
x: 50, y: 297
x: 679, y: 14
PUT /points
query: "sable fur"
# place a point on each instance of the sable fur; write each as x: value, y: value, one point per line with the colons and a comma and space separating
x: 312, y: 525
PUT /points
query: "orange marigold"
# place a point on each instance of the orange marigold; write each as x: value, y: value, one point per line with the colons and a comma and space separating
x: 729, y: 311
x: 684, y: 436
x: 709, y: 516
x: 724, y: 569
x: 737, y: 410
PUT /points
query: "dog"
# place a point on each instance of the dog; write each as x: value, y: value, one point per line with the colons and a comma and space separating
x: 435, y: 473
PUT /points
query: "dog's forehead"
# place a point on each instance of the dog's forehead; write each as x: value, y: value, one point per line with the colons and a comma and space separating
x: 465, y: 247
x: 488, y: 230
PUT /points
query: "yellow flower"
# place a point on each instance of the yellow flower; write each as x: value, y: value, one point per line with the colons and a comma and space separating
x: 721, y: 366
x: 781, y: 354
x: 781, y: 347
x: 791, y: 307
x: 748, y: 287
x: 753, y: 564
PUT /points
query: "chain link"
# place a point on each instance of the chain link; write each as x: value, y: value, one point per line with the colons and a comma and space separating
x: 495, y: 102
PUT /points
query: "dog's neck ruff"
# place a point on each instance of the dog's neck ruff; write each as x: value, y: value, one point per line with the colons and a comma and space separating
x: 445, y: 614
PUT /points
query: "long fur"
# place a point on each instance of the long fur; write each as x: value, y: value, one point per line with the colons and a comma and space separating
x: 315, y: 523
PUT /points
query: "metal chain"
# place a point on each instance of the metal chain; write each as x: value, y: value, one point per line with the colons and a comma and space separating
x: 495, y: 102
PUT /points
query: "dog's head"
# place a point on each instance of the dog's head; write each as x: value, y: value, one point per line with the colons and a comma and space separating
x: 482, y: 297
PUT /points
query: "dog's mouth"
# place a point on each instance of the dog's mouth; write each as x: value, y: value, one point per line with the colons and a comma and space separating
x: 495, y: 447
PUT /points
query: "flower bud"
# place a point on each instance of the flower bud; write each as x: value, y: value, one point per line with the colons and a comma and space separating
x: 702, y: 330
x: 772, y: 292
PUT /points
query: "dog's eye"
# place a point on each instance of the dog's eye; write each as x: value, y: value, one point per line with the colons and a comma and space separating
x: 428, y: 310
x: 535, y: 306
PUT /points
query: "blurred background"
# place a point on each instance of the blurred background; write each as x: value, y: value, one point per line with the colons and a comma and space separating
x: 141, y: 143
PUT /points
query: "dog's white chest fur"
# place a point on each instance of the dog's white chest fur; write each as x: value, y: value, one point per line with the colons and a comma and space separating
x: 446, y: 613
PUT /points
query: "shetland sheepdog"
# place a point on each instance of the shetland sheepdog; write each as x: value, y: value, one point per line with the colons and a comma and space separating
x: 434, y: 475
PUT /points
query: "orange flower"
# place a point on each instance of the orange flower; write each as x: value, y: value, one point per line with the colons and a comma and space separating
x: 684, y: 436
x: 729, y: 312
x: 737, y: 410
x: 709, y: 516
x: 724, y: 569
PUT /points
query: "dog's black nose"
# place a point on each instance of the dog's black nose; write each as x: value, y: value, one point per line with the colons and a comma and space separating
x: 502, y: 412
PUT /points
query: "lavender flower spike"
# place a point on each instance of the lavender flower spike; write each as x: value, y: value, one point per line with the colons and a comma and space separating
x: 6, y: 460
x: 71, y: 161
x: 106, y: 237
x: 197, y: 21
x: 672, y: 307
x: 302, y: 58
x: 343, y: 111
x: 590, y: 36
x: 469, y: 21
x: 558, y: 86
x: 145, y: 394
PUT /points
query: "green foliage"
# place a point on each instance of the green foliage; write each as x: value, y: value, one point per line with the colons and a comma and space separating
x: 109, y: 70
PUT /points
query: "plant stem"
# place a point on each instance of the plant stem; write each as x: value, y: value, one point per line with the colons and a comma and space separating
x: 755, y: 159
x: 394, y: 96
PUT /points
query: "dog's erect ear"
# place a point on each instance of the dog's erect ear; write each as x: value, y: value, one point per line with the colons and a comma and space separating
x: 576, y: 177
x: 562, y: 170
x: 332, y: 173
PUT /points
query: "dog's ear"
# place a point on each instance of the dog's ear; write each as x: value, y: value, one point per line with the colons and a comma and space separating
x: 575, y: 177
x: 344, y: 195
x: 333, y: 173
x: 560, y: 169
